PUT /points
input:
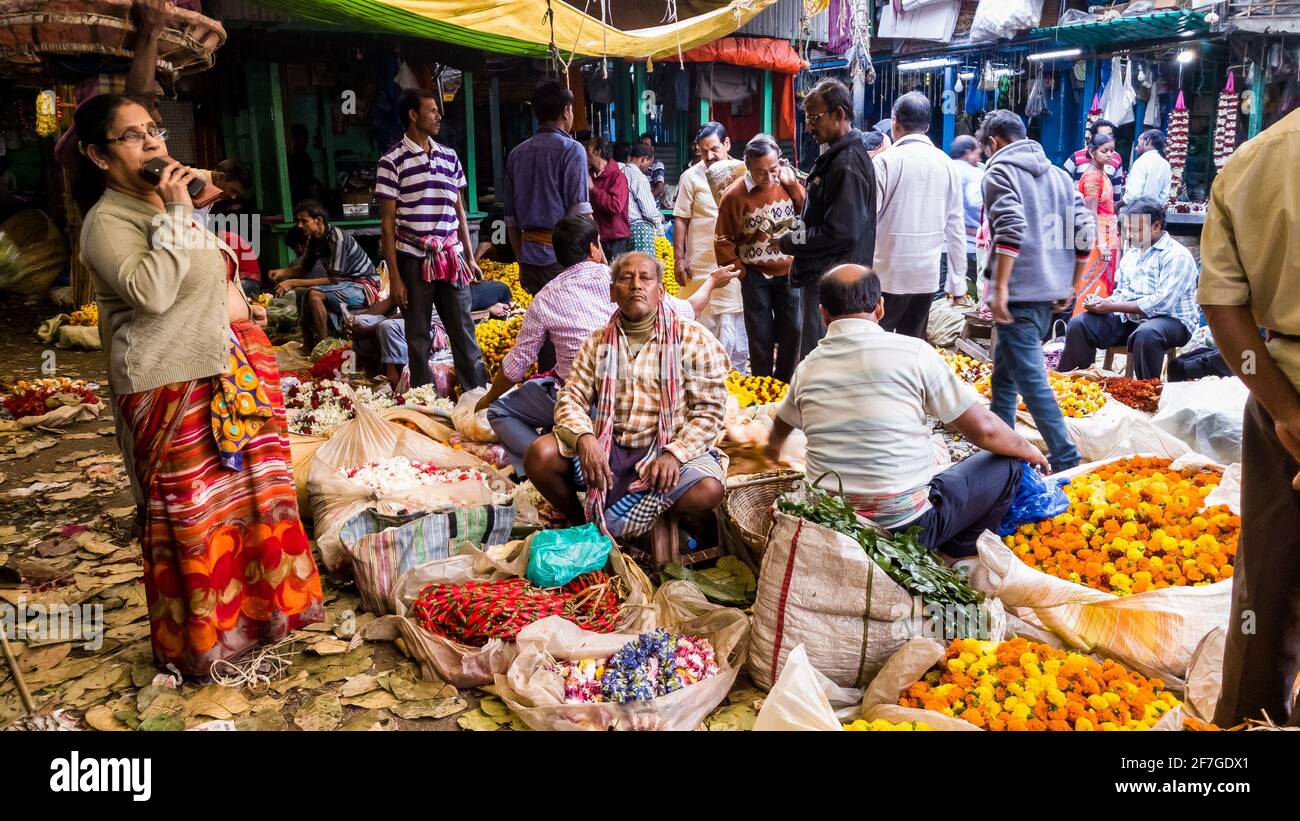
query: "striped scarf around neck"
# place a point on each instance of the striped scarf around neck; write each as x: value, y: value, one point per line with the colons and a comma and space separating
x: 667, y: 334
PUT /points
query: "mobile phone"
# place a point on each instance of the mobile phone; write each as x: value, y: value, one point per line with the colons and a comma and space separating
x: 201, y: 192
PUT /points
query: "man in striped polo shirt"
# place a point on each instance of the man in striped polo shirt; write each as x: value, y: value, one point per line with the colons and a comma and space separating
x: 426, y: 240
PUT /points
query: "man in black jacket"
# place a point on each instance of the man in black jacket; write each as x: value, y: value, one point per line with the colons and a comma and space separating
x: 838, y: 225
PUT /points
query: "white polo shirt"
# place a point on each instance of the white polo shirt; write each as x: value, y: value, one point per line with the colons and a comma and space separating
x: 862, y: 398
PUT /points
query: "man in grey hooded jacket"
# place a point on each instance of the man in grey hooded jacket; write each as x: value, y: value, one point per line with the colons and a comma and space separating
x: 1041, y: 231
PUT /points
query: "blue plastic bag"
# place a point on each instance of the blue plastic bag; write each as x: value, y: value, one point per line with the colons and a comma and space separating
x: 1036, y: 499
x: 557, y: 557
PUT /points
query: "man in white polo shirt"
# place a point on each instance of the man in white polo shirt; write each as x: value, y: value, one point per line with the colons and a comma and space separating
x: 863, y: 398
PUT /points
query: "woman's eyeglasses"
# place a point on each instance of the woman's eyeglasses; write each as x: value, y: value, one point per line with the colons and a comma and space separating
x: 134, y: 137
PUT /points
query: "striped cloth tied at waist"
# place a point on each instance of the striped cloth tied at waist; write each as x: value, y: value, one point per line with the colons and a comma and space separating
x: 540, y: 236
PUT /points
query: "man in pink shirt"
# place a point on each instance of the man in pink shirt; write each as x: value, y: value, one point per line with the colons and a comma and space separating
x: 571, y: 307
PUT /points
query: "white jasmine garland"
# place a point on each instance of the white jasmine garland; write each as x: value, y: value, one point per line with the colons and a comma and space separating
x: 427, y: 396
x: 400, y: 474
x: 316, y: 407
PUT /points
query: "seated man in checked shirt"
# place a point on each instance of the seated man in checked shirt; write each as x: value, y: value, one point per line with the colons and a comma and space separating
x: 640, y: 411
x: 565, y: 311
x: 1153, y: 307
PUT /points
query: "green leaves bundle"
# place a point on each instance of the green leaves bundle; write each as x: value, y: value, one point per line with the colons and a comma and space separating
x: 902, y: 556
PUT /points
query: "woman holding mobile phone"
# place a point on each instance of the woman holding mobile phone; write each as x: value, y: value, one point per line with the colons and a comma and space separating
x: 197, y: 403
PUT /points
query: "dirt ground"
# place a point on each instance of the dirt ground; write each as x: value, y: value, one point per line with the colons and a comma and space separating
x: 66, y: 512
x: 71, y: 543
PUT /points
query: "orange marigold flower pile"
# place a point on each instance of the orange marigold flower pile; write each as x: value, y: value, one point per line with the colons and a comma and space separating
x: 1133, y: 526
x: 1024, y: 685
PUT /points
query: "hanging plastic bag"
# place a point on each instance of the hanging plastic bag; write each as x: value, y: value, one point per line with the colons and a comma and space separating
x: 1036, y: 105
x: 1036, y: 499
x: 557, y: 557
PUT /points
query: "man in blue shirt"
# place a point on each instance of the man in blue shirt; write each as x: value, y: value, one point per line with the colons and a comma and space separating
x: 1153, y: 307
x: 546, y: 181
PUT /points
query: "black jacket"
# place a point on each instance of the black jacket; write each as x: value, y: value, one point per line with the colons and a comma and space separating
x: 839, y: 215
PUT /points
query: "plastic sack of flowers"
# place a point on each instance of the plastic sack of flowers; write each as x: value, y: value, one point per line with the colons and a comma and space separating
x: 465, y: 665
x: 1121, y: 605
x: 535, y: 689
x: 336, y: 499
x: 934, y: 675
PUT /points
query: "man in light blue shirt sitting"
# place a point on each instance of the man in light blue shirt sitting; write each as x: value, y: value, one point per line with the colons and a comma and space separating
x: 1153, y: 307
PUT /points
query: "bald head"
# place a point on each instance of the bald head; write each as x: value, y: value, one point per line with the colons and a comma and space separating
x: 849, y: 291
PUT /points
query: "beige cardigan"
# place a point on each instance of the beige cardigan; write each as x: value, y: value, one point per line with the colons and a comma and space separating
x: 160, y: 282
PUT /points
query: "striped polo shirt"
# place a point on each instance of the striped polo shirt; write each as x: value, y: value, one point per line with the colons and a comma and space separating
x: 426, y: 186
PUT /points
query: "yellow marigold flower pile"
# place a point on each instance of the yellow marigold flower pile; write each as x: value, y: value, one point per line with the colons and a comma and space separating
x: 967, y: 368
x: 881, y: 725
x: 263, y: 299
x: 664, y: 251
x: 1023, y: 685
x: 86, y: 315
x: 509, y: 274
x: 755, y: 390
x: 495, y: 338
x: 1076, y: 396
x: 1133, y: 526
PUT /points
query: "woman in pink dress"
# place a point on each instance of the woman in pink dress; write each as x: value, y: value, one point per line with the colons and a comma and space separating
x: 1099, y: 195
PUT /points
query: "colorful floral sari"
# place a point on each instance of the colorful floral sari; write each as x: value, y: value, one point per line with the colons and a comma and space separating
x: 1099, y: 276
x: 227, y: 565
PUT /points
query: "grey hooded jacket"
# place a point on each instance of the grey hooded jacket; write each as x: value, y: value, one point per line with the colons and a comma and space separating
x: 1037, y: 215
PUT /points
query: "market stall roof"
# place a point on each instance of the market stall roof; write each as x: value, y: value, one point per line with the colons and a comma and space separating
x: 1163, y: 25
x: 751, y: 52
x: 528, y: 27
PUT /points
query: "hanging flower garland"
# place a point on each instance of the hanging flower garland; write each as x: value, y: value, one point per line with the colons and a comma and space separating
x: 1094, y: 113
x: 1225, y: 127
x: 47, y: 114
x: 1177, y: 147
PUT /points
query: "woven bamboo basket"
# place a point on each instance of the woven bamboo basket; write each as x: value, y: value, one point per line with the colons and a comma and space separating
x: 29, y: 28
x: 745, y: 516
x: 42, y: 252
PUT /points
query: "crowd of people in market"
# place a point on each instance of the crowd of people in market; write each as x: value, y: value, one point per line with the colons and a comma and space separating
x: 613, y: 399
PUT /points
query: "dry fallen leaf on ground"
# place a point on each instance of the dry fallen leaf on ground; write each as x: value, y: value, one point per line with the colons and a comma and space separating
x: 321, y: 712
x: 370, y: 720
x: 477, y: 720
x: 216, y: 701
x: 100, y: 717
x: 373, y: 700
x: 430, y: 708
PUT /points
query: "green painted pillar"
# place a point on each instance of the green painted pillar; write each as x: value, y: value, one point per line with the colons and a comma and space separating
x: 767, y: 101
x: 280, y: 130
x: 642, y: 115
x: 471, y: 168
x: 280, y: 146
x: 494, y: 126
x: 704, y: 111
x: 1256, y: 122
